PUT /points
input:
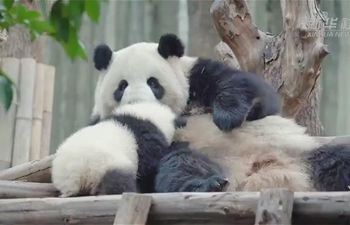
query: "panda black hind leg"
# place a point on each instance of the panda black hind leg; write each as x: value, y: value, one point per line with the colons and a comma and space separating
x: 330, y: 167
x: 185, y: 170
x: 115, y: 182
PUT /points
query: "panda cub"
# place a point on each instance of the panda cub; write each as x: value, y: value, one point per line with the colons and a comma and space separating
x: 121, y: 153
x: 118, y: 154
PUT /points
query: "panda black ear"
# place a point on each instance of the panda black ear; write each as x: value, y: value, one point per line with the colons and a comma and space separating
x: 170, y: 45
x: 102, y: 56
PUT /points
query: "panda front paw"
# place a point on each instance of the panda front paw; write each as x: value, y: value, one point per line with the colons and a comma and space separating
x: 229, y: 112
x: 226, y: 121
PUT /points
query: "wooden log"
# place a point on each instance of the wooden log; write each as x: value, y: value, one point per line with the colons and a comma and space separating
x: 11, y: 66
x: 275, y: 207
x: 23, y: 129
x: 175, y: 208
x: 38, y: 103
x: 134, y: 209
x: 47, y: 111
x: 18, y: 189
x: 35, y: 171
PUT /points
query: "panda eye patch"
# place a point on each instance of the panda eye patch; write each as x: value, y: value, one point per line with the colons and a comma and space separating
x: 119, y: 92
x: 156, y: 87
x: 153, y: 82
x: 122, y: 85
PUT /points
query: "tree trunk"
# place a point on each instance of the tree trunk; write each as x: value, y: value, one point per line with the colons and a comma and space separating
x: 290, y: 61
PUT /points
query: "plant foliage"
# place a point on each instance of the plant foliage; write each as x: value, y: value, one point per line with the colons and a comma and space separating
x: 62, y: 23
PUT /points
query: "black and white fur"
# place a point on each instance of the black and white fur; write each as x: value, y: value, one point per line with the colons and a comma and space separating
x: 119, y: 154
x: 240, y: 127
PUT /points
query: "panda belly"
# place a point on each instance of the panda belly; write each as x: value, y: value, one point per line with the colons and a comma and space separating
x: 265, y: 153
x: 93, y: 154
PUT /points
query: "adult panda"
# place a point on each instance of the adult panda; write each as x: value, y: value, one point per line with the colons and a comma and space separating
x: 122, y: 153
x: 238, y: 123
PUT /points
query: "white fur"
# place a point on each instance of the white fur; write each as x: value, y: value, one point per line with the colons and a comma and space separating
x: 274, y: 142
x: 83, y: 158
x: 136, y: 64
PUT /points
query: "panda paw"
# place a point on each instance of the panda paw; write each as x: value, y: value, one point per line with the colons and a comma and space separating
x: 229, y: 112
x: 226, y: 121
x: 211, y: 184
x: 215, y: 184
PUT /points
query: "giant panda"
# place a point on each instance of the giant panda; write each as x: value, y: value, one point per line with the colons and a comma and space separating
x: 233, y: 116
x: 121, y: 153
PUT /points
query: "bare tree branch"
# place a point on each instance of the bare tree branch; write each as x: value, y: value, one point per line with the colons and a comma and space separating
x: 290, y: 61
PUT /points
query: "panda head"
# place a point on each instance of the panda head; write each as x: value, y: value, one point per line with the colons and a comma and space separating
x: 157, y: 113
x: 141, y: 72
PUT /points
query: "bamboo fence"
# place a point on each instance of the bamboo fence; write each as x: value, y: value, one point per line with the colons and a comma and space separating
x: 25, y: 129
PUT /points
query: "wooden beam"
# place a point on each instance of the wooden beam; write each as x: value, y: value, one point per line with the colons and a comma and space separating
x: 18, y: 189
x: 134, y: 209
x: 275, y: 207
x: 34, y: 171
x: 174, y: 208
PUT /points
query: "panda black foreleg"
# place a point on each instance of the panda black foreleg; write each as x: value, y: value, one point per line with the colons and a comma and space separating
x: 116, y: 181
x: 330, y: 167
x: 184, y: 170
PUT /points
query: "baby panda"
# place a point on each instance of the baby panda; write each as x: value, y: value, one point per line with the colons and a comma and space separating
x: 118, y: 154
x: 121, y: 153
x: 187, y: 170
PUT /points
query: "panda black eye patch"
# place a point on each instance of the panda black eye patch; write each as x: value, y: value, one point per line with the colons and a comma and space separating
x: 118, y: 93
x: 156, y: 87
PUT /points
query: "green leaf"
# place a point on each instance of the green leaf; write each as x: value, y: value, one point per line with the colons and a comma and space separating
x: 40, y: 26
x: 6, y: 92
x: 55, y: 13
x: 24, y: 14
x: 8, y: 3
x: 63, y: 29
x: 92, y: 8
x: 74, y: 47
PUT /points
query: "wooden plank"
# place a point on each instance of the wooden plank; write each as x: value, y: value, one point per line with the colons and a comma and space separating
x: 186, y: 208
x: 275, y: 207
x: 11, y: 66
x: 134, y: 209
x: 35, y: 171
x: 23, y: 129
x: 18, y: 189
x: 47, y: 111
x: 38, y: 105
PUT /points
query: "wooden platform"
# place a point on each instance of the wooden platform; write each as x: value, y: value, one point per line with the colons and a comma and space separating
x: 27, y: 196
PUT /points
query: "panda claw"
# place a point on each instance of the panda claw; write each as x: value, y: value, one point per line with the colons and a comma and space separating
x: 218, y: 185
